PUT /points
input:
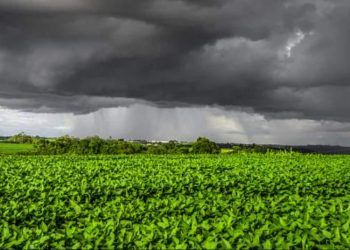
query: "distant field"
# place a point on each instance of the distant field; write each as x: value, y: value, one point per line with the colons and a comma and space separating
x: 9, y: 148
x: 226, y: 150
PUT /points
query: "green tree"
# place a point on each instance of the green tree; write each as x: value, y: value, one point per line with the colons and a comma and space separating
x: 236, y: 149
x: 21, y: 138
x: 205, y: 146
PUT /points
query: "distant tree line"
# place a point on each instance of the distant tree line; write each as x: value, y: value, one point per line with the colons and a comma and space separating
x: 97, y: 145
x: 21, y: 138
x: 253, y: 148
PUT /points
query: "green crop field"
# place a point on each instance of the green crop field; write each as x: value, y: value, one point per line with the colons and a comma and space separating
x: 11, y: 148
x: 266, y: 201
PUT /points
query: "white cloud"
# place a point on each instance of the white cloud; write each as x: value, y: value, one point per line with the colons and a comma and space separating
x: 13, y: 122
x: 293, y: 42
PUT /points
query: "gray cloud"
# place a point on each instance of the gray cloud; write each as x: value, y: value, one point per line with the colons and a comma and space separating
x: 283, y: 59
x: 187, y: 123
x: 140, y: 121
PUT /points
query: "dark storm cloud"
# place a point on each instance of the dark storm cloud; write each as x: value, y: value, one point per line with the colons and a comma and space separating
x: 281, y: 58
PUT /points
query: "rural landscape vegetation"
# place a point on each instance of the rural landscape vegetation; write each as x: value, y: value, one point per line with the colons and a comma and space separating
x: 94, y: 193
x: 174, y: 124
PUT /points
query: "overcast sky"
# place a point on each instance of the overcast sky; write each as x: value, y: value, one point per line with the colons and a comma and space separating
x: 272, y: 71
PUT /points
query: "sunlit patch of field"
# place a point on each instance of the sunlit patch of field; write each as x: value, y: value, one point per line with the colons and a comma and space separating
x: 226, y: 150
x: 11, y: 148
